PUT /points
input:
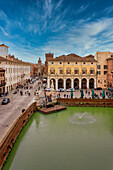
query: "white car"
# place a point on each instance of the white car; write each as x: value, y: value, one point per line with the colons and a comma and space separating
x: 48, y: 89
x: 60, y: 90
x: 69, y: 90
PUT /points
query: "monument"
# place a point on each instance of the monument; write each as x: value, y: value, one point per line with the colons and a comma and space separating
x: 53, y: 92
x: 37, y: 99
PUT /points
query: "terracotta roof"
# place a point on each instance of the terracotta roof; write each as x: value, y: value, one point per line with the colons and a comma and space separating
x: 4, y: 45
x: 1, y: 69
x: 13, y: 59
x: 74, y: 57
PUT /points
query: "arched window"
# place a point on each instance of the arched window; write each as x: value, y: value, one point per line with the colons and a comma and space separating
x: 92, y: 71
x: 52, y: 71
x: 68, y: 70
x: 76, y: 71
x: 84, y: 70
x: 60, y: 70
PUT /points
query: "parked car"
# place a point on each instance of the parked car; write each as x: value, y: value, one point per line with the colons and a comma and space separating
x: 1, y: 95
x: 69, y: 90
x: 98, y: 88
x: 60, y: 90
x: 15, y: 92
x: 5, y: 101
x: 48, y: 89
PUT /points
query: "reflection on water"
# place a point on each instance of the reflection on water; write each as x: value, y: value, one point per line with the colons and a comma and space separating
x: 82, y: 119
x: 76, y: 138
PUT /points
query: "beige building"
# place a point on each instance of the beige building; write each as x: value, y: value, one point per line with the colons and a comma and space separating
x: 2, y: 81
x: 16, y: 71
x: 72, y: 71
x: 102, y: 68
x: 3, y: 50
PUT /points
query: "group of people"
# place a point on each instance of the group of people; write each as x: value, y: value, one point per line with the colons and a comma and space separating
x: 86, y: 93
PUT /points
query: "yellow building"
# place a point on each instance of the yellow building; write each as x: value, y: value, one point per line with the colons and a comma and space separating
x: 72, y: 71
x: 102, y: 68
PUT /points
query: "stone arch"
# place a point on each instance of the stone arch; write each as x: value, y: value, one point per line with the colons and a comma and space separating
x: 84, y: 83
x: 52, y: 70
x: 68, y: 83
x: 84, y: 70
x: 76, y: 70
x: 53, y: 83
x: 76, y: 83
x: 91, y: 83
x: 68, y: 70
x: 60, y: 83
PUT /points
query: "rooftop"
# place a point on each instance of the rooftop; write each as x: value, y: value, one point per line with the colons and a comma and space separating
x: 74, y: 57
x: 3, y: 45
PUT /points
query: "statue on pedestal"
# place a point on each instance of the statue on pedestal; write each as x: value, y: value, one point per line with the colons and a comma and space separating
x: 37, y: 99
x: 53, y: 92
x: 52, y: 86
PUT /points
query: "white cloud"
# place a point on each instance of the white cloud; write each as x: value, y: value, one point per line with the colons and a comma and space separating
x: 3, y: 30
x: 3, y: 16
x: 85, y: 38
x: 81, y: 9
x: 59, y: 4
x: 108, y: 10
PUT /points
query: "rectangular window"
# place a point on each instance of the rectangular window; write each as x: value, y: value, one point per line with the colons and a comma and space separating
x: 61, y: 71
x: 105, y: 67
x: 76, y: 72
x: 104, y: 81
x: 99, y: 72
x: 98, y: 67
x: 68, y: 71
x: 98, y: 81
x: 91, y: 71
x: 105, y: 72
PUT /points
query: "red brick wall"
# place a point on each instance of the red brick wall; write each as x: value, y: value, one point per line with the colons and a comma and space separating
x: 86, y: 102
x: 10, y: 138
x: 49, y: 56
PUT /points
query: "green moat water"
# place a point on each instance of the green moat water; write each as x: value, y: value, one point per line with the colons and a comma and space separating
x: 74, y: 139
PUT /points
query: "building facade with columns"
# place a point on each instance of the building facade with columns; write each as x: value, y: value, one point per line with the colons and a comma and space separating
x: 72, y: 71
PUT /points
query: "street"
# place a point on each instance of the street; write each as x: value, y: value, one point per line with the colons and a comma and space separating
x: 10, y: 111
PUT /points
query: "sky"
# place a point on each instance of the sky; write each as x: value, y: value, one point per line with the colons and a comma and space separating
x: 32, y: 28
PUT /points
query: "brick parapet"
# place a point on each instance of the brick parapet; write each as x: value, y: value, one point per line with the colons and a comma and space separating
x: 86, y: 102
x: 7, y: 143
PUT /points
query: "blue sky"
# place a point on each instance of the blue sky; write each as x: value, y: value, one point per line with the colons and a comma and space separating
x: 32, y: 28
